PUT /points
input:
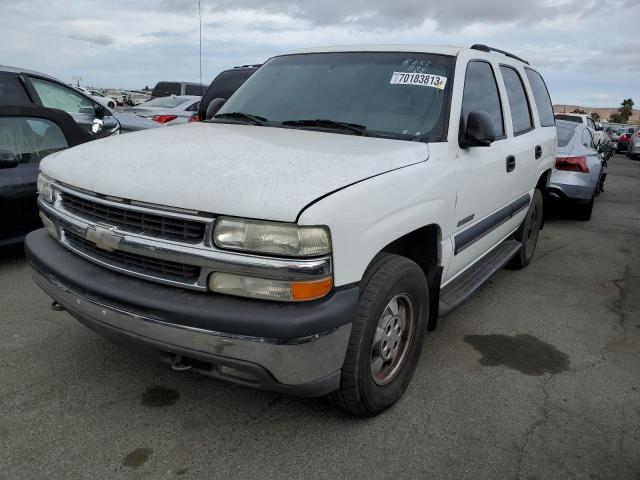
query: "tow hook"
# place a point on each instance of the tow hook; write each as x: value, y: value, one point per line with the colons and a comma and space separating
x: 57, y: 307
x: 178, y: 365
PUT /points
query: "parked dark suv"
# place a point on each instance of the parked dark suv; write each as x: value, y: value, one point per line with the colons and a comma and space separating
x: 225, y: 85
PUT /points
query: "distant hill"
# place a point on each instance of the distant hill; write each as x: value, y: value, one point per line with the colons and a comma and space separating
x: 604, y: 113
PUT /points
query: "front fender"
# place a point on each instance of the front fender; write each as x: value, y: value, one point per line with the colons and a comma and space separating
x: 369, y: 215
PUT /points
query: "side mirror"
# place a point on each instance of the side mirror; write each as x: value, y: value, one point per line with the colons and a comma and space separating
x: 8, y: 159
x: 215, y: 105
x: 99, y: 110
x: 478, y: 131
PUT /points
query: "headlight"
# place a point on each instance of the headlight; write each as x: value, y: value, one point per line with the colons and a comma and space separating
x: 271, y: 238
x: 44, y: 188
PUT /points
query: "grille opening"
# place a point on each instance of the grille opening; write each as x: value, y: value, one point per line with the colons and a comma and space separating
x: 155, y: 225
x: 161, y: 269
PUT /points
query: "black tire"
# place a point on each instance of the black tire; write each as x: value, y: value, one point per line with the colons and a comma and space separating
x: 529, y: 232
x: 584, y: 211
x: 387, y: 277
x: 111, y: 105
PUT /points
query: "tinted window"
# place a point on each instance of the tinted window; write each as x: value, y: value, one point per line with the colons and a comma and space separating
x: 541, y: 96
x: 11, y: 90
x: 30, y: 139
x: 481, y: 94
x: 395, y: 95
x: 224, y: 85
x: 193, y: 107
x: 53, y: 95
x: 565, y: 132
x: 165, y: 89
x: 518, y: 103
x: 191, y: 89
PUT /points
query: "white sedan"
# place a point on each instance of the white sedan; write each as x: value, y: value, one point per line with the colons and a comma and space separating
x: 171, y: 110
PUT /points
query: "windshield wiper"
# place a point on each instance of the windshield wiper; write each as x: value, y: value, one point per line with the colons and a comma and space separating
x: 255, y: 119
x: 325, y: 123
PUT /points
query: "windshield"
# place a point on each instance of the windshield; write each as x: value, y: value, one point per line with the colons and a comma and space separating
x: 565, y: 132
x: 165, y: 102
x: 394, y: 95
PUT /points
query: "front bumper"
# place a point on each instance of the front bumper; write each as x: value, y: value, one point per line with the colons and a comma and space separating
x: 294, y: 348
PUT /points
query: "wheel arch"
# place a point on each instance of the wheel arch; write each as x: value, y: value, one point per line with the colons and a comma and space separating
x: 424, y: 247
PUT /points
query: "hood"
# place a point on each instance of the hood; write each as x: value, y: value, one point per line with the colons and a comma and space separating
x: 238, y: 170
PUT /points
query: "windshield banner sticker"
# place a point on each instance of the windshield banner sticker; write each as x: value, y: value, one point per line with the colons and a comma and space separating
x: 420, y: 79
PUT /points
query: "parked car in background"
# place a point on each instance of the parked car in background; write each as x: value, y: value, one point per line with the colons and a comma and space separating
x: 633, y: 145
x: 166, y: 89
x: 102, y: 98
x: 116, y: 95
x: 136, y: 98
x: 306, y: 238
x: 28, y: 133
x: 19, y: 86
x: 599, y: 136
x: 579, y: 167
x: 171, y: 110
x: 106, y: 101
x: 623, y: 140
x: 225, y: 85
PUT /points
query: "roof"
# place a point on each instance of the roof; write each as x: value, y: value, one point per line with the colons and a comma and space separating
x: 4, y: 68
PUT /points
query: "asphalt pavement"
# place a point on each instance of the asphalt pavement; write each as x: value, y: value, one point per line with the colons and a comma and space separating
x: 536, y: 377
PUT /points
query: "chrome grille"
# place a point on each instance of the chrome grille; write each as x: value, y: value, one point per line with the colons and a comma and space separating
x: 178, y: 272
x: 155, y: 225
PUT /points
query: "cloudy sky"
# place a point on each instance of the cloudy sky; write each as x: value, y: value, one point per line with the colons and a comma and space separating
x: 587, y: 50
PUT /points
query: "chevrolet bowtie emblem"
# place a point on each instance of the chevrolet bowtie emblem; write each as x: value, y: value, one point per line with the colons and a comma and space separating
x: 104, y: 237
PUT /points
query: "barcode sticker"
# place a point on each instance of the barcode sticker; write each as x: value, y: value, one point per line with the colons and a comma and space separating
x: 419, y: 79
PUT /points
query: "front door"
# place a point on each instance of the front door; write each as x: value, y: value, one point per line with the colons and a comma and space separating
x: 484, y: 181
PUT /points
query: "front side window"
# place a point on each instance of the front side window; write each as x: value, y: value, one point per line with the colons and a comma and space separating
x: 57, y: 96
x: 392, y: 94
x: 193, y: 89
x: 481, y: 94
x: 30, y: 139
x: 518, y: 103
x: 225, y: 84
x: 542, y: 98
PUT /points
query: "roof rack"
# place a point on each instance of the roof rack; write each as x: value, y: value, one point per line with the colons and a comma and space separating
x: 484, y: 48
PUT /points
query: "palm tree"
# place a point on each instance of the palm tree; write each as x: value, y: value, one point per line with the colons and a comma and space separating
x: 626, y: 109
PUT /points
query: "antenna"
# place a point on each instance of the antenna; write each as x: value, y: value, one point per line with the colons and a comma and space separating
x: 200, y: 17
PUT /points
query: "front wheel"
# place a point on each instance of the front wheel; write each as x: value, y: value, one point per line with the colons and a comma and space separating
x: 529, y: 232
x: 386, y: 336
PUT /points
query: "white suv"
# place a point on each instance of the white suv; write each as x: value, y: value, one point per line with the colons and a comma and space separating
x: 307, y: 236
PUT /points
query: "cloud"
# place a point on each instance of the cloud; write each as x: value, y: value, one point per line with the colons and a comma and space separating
x: 131, y: 43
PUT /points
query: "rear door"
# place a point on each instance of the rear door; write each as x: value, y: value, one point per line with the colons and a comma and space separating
x: 27, y: 135
x: 51, y: 94
x: 526, y: 144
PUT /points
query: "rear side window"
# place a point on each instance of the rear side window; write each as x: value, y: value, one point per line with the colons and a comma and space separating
x: 542, y: 98
x: 587, y: 139
x: 11, y: 90
x: 166, y: 89
x: 518, y: 103
x: 481, y: 94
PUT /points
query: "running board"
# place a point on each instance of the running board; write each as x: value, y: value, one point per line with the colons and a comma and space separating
x: 459, y: 290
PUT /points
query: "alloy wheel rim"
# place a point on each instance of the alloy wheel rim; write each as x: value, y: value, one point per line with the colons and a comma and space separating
x: 392, y: 339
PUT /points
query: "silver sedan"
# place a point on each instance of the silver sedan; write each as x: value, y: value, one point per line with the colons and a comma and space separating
x: 579, y: 173
x: 171, y: 110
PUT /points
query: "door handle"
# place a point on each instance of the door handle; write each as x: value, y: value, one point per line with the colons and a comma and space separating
x: 511, y: 163
x: 538, y: 152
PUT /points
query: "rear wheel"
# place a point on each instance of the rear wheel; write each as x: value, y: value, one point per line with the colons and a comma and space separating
x: 529, y: 232
x: 111, y: 105
x: 386, y: 336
